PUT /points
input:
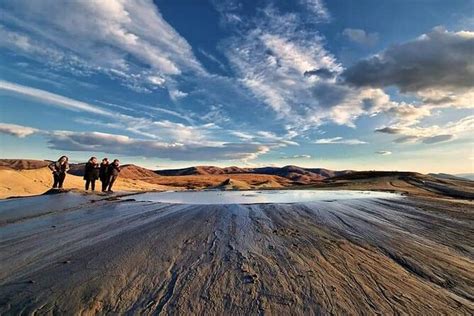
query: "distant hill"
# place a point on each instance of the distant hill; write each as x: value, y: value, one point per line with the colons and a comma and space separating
x: 127, y: 171
x: 293, y: 173
x: 26, y: 177
x: 355, y: 175
x: 198, y: 170
x: 23, y: 164
x: 412, y: 183
x: 469, y: 176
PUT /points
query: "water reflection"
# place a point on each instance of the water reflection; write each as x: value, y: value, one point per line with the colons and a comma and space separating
x: 252, y: 197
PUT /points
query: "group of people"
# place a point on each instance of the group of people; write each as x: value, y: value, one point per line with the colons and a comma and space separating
x: 105, y: 171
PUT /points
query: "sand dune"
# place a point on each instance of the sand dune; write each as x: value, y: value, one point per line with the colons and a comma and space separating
x: 369, y: 256
x: 20, y: 177
x: 21, y: 164
x: 37, y: 181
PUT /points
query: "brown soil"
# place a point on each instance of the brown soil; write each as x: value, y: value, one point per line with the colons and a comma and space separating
x: 370, y: 256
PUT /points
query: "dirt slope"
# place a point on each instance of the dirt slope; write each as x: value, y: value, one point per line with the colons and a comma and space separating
x: 21, y: 164
x: 408, y: 256
x: 37, y: 181
x: 231, y: 184
x: 406, y: 182
x: 292, y: 173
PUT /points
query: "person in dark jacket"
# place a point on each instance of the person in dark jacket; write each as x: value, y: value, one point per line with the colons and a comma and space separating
x: 104, y: 173
x: 59, y: 169
x: 91, y: 173
x: 114, y: 170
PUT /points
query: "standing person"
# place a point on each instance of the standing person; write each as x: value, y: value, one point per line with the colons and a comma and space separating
x: 91, y: 173
x: 59, y: 169
x: 104, y: 173
x: 114, y: 170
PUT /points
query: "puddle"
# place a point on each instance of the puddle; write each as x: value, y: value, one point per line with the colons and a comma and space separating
x: 254, y: 197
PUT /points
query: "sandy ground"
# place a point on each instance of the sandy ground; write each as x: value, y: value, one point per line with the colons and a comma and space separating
x: 368, y: 256
x: 37, y: 181
x: 28, y: 182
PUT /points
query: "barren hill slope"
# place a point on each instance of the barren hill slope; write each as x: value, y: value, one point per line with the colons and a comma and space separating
x: 293, y: 173
x: 22, y: 164
x: 412, y: 183
x: 37, y: 181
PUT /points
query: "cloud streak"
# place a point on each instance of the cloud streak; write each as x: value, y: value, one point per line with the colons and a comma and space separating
x: 432, y: 134
x: 339, y: 140
x: 127, y: 39
x: 51, y: 98
x: 383, y: 152
x: 360, y: 36
x: 296, y: 157
x: 127, y: 146
x: 17, y: 130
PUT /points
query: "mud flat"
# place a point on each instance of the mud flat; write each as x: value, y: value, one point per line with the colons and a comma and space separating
x: 374, y: 255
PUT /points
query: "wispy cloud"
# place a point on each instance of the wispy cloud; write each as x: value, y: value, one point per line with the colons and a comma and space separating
x: 296, y: 157
x: 127, y: 39
x: 124, y: 145
x: 437, y: 139
x: 273, y: 59
x: 360, y: 36
x: 431, y: 134
x: 339, y: 140
x: 286, y: 66
x: 317, y: 8
x: 17, y: 130
x: 155, y: 129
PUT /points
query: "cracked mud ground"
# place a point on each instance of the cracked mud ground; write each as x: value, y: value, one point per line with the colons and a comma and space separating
x: 367, y: 256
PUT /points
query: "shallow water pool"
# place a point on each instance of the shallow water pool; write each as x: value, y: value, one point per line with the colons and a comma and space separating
x: 253, y: 197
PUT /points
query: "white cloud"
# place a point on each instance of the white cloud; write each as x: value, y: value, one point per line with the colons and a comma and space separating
x: 52, y: 98
x: 126, y: 39
x: 123, y: 145
x: 360, y: 36
x: 339, y: 140
x: 242, y: 135
x: 214, y: 59
x: 296, y: 157
x: 163, y: 129
x: 286, y: 66
x: 437, y: 68
x: 317, y: 8
x: 176, y: 94
x: 268, y: 137
x: 16, y: 130
x: 432, y: 134
x: 278, y: 61
x: 156, y: 80
x: 383, y: 152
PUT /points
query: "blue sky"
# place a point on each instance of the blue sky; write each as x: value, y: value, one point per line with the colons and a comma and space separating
x: 336, y: 84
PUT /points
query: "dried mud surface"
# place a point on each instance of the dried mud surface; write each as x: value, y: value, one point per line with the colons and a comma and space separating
x: 365, y: 256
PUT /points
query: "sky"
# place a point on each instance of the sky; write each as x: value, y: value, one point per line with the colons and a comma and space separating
x: 340, y: 84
